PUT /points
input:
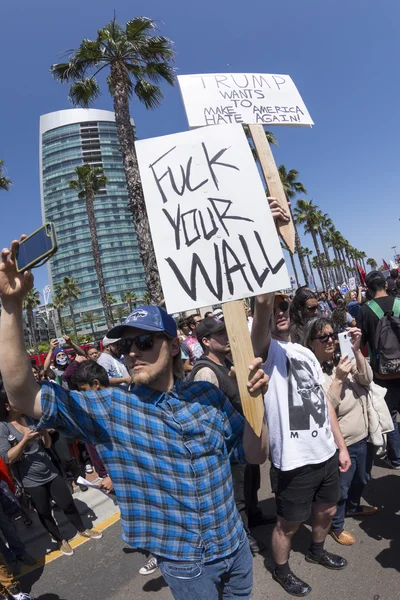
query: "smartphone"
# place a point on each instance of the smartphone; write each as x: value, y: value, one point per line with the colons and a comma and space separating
x: 346, y: 348
x: 37, y: 248
x: 61, y: 341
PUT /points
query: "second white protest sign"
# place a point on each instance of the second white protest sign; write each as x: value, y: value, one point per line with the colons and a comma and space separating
x: 212, y: 230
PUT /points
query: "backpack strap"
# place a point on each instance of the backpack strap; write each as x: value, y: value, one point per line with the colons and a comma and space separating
x: 374, y: 306
x: 396, y: 307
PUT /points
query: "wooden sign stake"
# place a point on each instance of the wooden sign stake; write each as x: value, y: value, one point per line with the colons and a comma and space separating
x: 243, y: 356
x: 271, y: 175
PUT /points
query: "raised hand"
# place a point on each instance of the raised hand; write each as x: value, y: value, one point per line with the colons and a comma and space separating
x: 277, y: 211
x: 13, y: 285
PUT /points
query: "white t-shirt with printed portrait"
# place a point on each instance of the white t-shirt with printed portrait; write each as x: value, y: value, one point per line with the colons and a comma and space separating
x: 296, y: 408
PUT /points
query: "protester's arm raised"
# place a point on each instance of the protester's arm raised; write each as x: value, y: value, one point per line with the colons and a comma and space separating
x: 47, y: 362
x: 22, y: 390
x: 261, y: 328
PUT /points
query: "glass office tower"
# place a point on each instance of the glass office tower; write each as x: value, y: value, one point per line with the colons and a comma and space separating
x: 70, y: 138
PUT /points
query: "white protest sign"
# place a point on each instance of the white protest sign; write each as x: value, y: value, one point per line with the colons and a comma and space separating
x: 217, y: 98
x: 352, y: 283
x: 212, y: 230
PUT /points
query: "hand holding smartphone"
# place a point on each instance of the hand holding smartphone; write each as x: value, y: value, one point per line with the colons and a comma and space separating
x: 346, y: 348
x: 37, y: 248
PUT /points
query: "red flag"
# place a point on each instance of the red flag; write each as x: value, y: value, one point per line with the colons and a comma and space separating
x: 362, y: 274
x: 387, y: 268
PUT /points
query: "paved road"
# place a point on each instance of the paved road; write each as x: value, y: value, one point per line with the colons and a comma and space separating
x: 107, y: 569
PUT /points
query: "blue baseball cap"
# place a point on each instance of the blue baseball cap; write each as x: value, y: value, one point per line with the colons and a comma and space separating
x: 148, y: 318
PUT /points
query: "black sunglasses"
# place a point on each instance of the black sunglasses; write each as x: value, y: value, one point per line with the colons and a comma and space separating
x: 283, y: 306
x: 324, y: 339
x: 143, y: 342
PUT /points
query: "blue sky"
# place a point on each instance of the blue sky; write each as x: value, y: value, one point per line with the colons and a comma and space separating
x: 343, y: 58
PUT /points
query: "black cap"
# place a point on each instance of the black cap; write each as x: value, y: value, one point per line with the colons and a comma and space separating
x: 208, y: 327
x: 375, y: 277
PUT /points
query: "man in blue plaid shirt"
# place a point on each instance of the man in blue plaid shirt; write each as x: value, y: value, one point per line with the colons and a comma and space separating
x: 166, y: 444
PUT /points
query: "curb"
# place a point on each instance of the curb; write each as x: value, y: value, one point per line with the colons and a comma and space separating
x: 74, y: 543
x: 90, y: 501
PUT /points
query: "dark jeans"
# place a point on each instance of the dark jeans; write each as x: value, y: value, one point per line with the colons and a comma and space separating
x: 226, y: 579
x: 58, y: 491
x: 353, y: 482
x: 393, y: 438
x: 246, y: 483
x: 97, y: 463
x: 252, y: 483
x: 15, y: 547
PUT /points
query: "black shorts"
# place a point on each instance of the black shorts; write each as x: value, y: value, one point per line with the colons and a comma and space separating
x: 296, y: 490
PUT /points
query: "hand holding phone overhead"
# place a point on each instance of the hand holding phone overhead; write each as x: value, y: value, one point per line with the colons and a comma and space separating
x: 36, y: 249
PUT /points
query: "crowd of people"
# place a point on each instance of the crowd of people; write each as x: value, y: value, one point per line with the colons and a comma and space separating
x: 158, y: 415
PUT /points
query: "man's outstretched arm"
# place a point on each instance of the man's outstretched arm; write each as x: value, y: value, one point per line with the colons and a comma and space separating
x: 15, y: 367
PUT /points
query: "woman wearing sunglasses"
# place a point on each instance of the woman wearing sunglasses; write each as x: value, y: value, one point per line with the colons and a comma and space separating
x: 303, y: 308
x: 346, y: 386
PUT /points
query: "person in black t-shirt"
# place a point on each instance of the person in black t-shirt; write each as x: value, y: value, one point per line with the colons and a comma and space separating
x: 367, y: 321
x: 393, y: 283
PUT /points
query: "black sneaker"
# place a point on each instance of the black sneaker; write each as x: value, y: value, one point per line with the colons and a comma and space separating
x: 292, y: 584
x: 328, y: 560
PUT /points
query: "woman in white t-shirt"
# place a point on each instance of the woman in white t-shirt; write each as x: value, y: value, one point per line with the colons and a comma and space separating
x: 346, y: 386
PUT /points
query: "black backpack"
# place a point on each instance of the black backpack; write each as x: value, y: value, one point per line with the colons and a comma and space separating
x: 387, y: 339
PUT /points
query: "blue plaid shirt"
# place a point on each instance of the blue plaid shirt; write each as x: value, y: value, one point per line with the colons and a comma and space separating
x: 168, y: 456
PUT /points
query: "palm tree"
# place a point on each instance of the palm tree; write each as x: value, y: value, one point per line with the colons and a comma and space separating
x: 4, y: 181
x: 70, y: 290
x: 146, y: 298
x: 291, y: 256
x: 90, y: 181
x: 31, y: 301
x: 317, y: 266
x: 68, y: 325
x: 110, y: 301
x: 137, y: 61
x: 307, y: 253
x: 130, y: 298
x: 90, y: 319
x: 58, y: 303
x: 306, y: 214
x: 334, y: 241
x: 324, y: 223
x: 372, y: 263
x: 120, y: 313
x: 292, y: 186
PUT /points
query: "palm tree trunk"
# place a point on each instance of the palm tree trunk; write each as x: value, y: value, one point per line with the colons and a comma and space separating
x: 60, y: 321
x: 326, y: 252
x: 92, y: 328
x: 294, y: 268
x: 96, y: 254
x: 73, y: 321
x: 342, y: 262
x: 324, y: 282
x: 299, y: 251
x: 311, y: 270
x: 129, y: 306
x: 119, y: 78
x: 337, y: 268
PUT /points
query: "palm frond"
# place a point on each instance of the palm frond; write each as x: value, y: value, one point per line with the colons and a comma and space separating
x: 83, y: 93
x: 149, y: 94
x: 156, y: 47
x: 139, y: 27
x: 271, y: 138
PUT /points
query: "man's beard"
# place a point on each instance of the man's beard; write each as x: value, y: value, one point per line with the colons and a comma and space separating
x: 143, y: 377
